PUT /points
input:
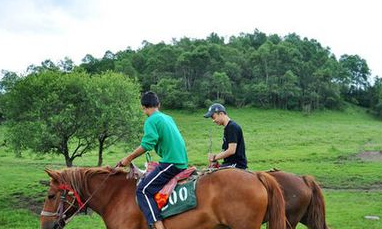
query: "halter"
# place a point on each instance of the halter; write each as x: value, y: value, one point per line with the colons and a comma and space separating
x: 60, y: 213
x: 68, y: 188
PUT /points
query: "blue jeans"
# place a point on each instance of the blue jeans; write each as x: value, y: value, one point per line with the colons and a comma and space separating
x: 152, y: 184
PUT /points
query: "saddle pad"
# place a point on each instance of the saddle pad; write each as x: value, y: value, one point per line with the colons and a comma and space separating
x: 182, y: 199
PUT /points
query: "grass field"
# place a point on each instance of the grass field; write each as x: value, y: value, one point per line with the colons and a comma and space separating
x: 325, y: 144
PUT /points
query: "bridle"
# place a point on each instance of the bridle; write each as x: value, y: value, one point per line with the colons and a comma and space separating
x: 61, y: 220
x: 66, y: 190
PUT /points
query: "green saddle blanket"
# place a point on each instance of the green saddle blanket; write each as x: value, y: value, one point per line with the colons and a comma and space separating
x: 182, y: 199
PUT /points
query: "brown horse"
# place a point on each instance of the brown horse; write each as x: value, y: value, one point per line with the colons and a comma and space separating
x: 228, y: 198
x: 304, y: 200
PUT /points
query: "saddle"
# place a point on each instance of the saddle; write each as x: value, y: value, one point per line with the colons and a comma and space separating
x: 179, y: 194
x: 162, y: 196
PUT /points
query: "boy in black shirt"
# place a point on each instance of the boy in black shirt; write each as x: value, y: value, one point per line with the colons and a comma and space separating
x: 233, y: 148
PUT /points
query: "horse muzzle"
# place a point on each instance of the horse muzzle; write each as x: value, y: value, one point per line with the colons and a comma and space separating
x: 53, y: 225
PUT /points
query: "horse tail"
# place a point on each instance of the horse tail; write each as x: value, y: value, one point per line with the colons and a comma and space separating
x: 276, y: 204
x: 315, y: 214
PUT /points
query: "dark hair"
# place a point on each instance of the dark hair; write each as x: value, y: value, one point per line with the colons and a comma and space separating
x: 150, y: 99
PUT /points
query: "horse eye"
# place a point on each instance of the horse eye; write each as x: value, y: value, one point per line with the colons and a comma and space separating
x: 51, y: 196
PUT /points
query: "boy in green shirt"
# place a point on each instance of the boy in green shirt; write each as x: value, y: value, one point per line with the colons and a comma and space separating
x: 161, y: 134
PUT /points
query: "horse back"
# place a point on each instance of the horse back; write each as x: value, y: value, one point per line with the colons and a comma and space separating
x: 226, y: 196
x: 230, y: 186
x: 294, y: 187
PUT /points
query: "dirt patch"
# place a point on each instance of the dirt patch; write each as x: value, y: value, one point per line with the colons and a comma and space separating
x: 371, y: 188
x: 370, y: 156
x: 21, y: 201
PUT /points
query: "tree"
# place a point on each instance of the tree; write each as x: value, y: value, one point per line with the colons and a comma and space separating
x: 107, y: 63
x: 221, y: 85
x: 376, y: 96
x: 69, y: 114
x: 257, y: 94
x: 125, y: 67
x: 48, y: 112
x: 193, y: 65
x: 215, y: 39
x: 66, y: 65
x: 264, y: 57
x: 287, y: 72
x: 356, y: 73
x: 90, y: 64
x: 358, y: 70
x: 289, y: 92
x: 115, y: 111
x: 246, y: 40
x: 170, y: 92
x: 46, y: 65
x: 8, y: 81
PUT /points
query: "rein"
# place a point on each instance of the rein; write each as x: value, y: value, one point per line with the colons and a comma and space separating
x: 67, y: 187
x: 60, y: 213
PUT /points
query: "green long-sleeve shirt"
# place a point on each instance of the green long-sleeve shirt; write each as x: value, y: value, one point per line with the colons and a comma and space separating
x: 162, y: 134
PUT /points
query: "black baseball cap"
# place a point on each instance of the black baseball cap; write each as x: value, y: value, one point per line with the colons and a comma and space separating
x: 215, y: 108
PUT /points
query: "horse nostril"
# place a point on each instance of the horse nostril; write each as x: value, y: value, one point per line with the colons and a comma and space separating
x: 48, y: 225
x: 58, y: 225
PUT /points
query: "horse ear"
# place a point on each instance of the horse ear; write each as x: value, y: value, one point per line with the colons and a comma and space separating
x: 55, y: 175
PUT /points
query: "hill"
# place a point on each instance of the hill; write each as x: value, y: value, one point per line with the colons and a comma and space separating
x: 325, y: 144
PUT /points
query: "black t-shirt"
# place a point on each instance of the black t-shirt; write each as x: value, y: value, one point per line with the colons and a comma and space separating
x: 234, y: 134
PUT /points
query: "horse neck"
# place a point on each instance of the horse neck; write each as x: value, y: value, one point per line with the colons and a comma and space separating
x: 115, y: 196
x: 102, y: 190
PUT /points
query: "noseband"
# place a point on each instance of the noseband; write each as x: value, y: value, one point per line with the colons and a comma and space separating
x: 61, y: 213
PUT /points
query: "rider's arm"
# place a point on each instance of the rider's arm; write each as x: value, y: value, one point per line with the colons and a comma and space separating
x: 151, y: 136
x: 149, y: 140
x: 232, y: 144
x: 136, y: 153
x: 230, y: 151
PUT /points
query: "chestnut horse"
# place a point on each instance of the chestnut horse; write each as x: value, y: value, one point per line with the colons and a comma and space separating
x: 227, y: 198
x: 304, y: 200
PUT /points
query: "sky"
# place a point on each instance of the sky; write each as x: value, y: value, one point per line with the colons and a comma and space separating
x: 32, y: 31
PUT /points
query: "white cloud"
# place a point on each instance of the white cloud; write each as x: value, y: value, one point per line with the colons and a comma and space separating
x: 35, y: 30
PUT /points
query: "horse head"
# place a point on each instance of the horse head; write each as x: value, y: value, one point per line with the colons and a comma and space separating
x: 62, y: 202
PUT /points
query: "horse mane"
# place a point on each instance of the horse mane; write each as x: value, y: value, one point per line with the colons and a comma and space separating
x: 78, y: 178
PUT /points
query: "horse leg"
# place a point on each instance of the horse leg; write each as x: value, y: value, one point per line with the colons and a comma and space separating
x: 293, y: 219
x: 247, y: 220
x: 200, y: 220
x: 291, y: 225
x: 245, y: 225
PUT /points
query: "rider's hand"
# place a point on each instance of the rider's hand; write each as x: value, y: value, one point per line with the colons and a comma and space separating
x: 125, y: 162
x: 211, y: 157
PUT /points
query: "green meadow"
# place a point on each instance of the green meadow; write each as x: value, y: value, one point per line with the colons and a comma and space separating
x: 324, y: 144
